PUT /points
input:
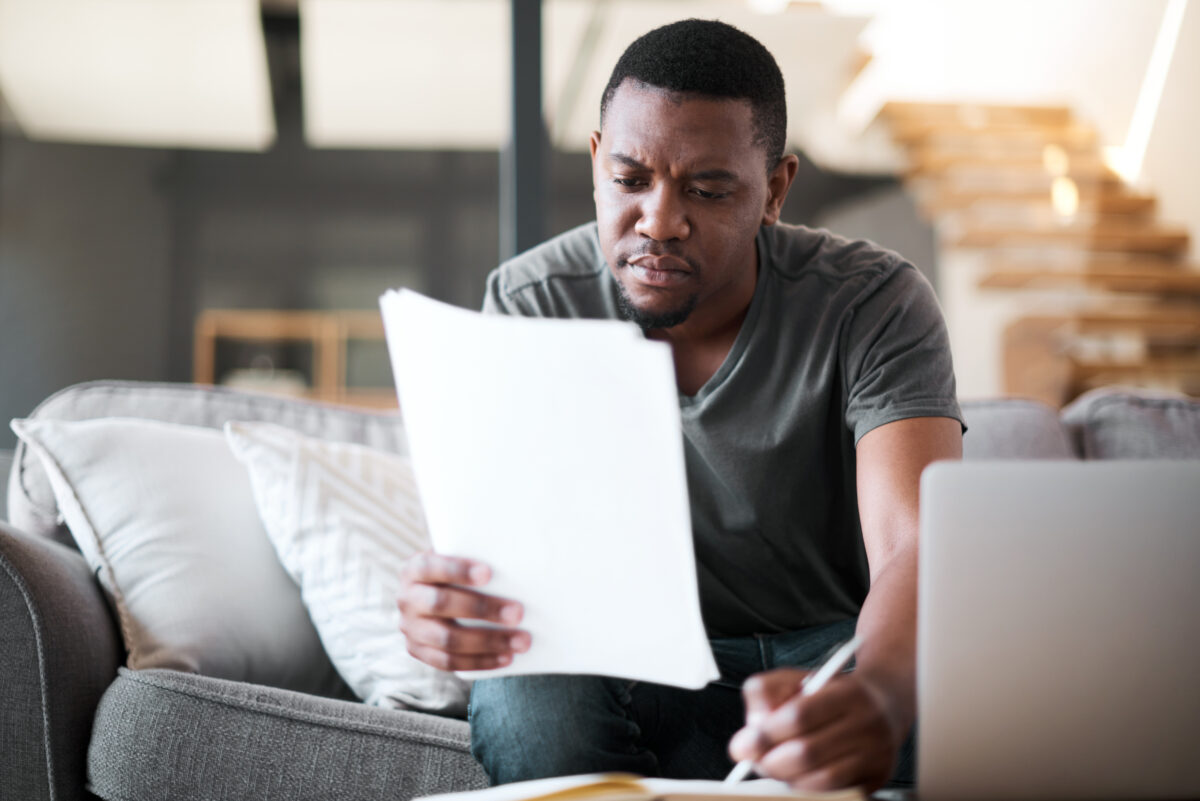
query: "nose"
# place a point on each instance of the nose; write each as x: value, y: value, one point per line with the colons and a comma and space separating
x: 663, y: 216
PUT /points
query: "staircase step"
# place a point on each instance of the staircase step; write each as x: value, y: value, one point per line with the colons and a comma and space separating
x: 1013, y: 138
x: 1046, y: 357
x: 1145, y: 280
x: 1105, y: 200
x: 1042, y: 215
x: 1174, y: 323
x: 1106, y: 239
x: 978, y: 115
x: 1081, y: 164
x: 1001, y: 176
x: 1114, y: 372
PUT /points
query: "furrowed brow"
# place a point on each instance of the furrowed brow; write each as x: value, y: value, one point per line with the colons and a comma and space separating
x: 724, y: 176
x: 628, y: 161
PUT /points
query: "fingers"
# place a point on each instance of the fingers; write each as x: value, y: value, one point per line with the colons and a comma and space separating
x: 454, y: 638
x: 766, y: 691
x: 437, y: 592
x: 444, y: 661
x: 433, y: 568
x: 450, y: 646
x: 440, y: 600
x: 802, y: 715
x: 837, y: 737
x: 434, y: 585
x: 797, y: 758
x: 849, y: 771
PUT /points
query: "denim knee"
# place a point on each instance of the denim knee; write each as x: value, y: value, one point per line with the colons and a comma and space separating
x: 532, y: 727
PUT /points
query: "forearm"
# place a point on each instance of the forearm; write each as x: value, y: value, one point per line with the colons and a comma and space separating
x: 887, y: 659
x: 890, y: 461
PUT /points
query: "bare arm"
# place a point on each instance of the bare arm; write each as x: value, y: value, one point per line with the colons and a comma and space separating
x: 849, y: 733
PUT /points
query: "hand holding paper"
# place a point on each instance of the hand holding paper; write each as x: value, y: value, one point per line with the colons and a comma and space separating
x: 440, y: 591
x: 550, y: 451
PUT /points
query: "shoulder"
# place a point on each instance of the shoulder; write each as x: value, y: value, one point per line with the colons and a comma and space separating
x: 568, y: 257
x: 800, y: 253
x: 820, y: 266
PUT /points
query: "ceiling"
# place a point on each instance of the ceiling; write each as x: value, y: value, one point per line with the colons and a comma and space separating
x: 377, y: 73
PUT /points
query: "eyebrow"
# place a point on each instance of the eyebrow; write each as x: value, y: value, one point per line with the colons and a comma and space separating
x: 703, y: 175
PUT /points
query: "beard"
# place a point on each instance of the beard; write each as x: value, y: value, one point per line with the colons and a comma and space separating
x: 647, y: 320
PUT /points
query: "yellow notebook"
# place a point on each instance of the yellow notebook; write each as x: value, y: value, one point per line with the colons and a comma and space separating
x: 629, y: 787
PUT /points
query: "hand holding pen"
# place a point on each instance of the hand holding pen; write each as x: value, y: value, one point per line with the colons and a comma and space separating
x: 832, y: 733
x: 810, y: 685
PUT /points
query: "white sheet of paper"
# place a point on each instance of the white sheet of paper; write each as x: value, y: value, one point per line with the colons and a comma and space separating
x: 552, y: 451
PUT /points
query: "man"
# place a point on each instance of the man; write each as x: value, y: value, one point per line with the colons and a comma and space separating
x: 814, y: 383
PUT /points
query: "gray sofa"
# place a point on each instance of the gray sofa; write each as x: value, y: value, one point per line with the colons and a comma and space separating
x: 75, y: 722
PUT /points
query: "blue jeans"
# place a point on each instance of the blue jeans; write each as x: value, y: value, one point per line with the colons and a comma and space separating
x: 531, y: 727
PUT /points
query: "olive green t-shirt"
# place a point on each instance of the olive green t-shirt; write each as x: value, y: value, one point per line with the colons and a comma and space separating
x: 840, y: 337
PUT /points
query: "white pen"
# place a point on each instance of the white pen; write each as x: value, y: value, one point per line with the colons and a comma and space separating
x: 812, y: 684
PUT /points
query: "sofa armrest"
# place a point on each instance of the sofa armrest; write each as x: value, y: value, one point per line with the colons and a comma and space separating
x: 59, y: 651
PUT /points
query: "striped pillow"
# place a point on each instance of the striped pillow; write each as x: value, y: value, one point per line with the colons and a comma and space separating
x: 343, y: 519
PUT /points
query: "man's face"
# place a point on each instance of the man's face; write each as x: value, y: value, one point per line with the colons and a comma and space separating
x: 681, y: 189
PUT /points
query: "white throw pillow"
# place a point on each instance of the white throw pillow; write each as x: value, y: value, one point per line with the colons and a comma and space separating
x: 343, y: 518
x: 164, y: 516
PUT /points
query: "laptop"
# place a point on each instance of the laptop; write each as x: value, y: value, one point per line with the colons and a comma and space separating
x: 1059, y: 631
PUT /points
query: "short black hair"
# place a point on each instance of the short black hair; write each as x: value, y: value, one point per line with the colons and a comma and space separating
x: 711, y: 59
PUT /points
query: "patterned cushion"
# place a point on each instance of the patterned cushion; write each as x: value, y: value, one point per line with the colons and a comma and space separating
x: 343, y: 519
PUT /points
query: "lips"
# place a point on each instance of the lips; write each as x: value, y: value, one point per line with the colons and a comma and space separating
x: 659, y: 270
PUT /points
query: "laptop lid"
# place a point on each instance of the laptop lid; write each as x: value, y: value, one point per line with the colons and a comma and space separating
x: 1059, y: 631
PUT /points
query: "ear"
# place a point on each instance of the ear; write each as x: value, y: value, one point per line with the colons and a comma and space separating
x: 594, y: 147
x: 778, y: 184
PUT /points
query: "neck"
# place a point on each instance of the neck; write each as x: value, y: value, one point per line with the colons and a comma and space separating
x: 700, y: 345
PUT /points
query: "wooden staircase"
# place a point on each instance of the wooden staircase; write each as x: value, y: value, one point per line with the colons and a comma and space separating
x: 1098, y: 289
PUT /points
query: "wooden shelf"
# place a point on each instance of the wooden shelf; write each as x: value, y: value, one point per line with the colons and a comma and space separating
x: 329, y: 334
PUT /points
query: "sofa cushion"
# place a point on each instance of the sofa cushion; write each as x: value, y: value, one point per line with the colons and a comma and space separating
x: 1014, y: 428
x: 31, y: 504
x: 162, y: 734
x: 1123, y: 423
x: 6, y: 462
x: 344, y: 518
x: 165, y: 517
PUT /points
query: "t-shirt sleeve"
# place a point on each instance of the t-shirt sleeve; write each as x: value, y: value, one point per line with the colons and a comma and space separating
x: 497, y: 299
x: 897, y: 360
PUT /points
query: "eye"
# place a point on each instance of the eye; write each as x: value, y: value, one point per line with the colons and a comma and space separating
x: 706, y: 195
x: 628, y: 183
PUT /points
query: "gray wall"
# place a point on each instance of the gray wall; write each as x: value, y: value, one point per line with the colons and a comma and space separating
x: 84, y: 268
x: 107, y: 253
